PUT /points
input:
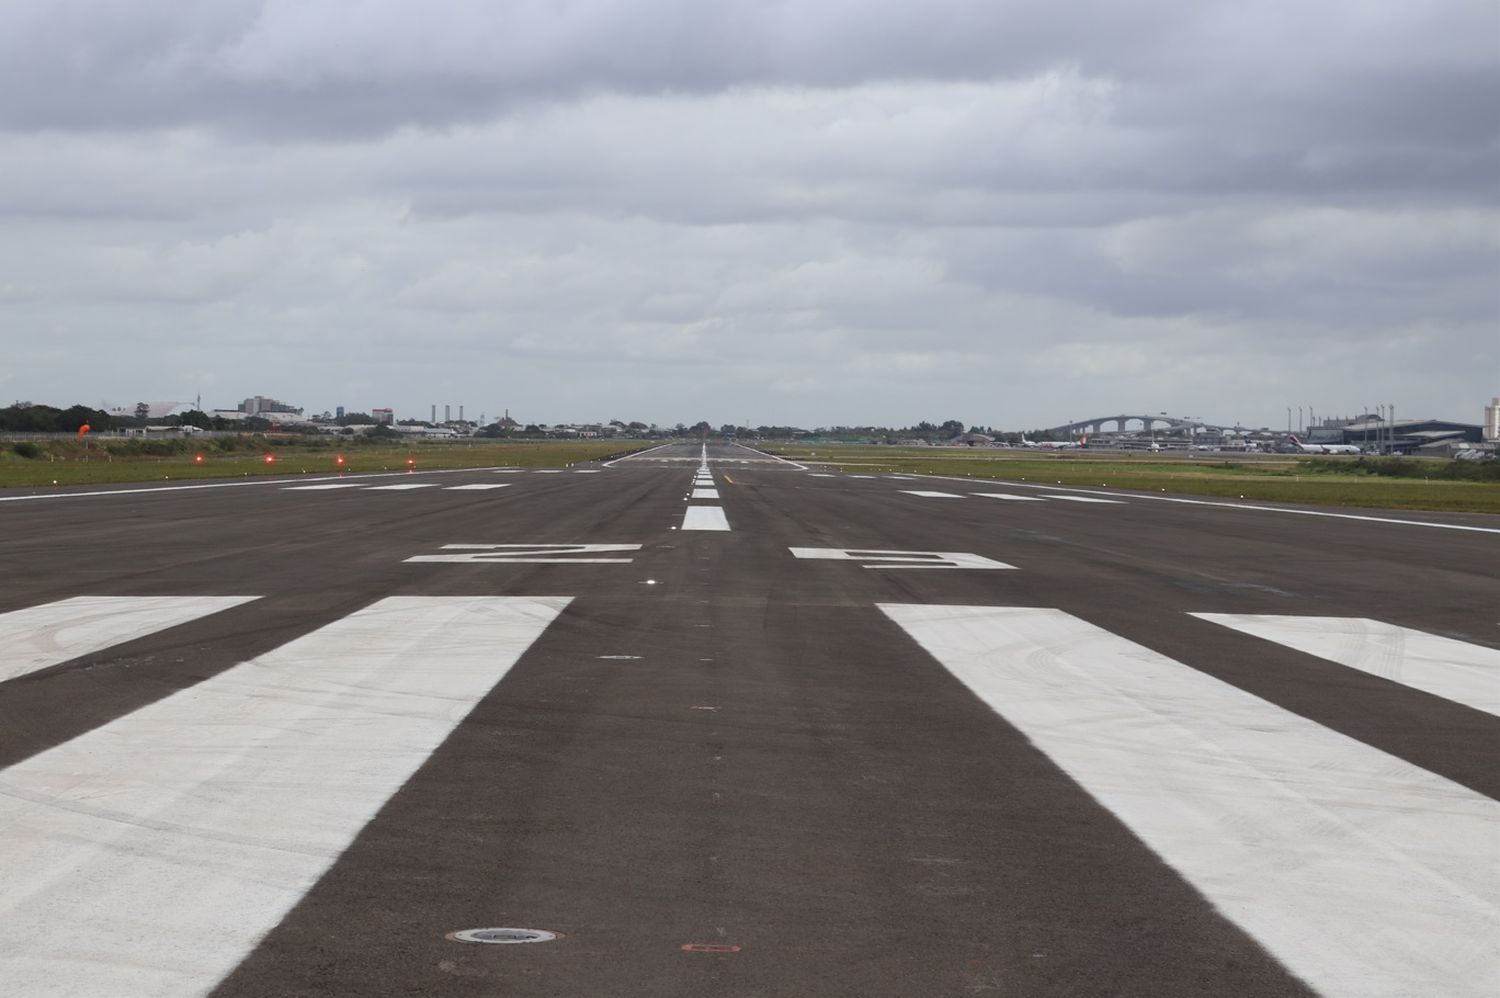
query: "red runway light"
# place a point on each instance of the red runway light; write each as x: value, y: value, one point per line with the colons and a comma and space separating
x: 197, y: 458
x: 270, y: 458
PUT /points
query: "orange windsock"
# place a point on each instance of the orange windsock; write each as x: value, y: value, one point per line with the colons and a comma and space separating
x: 83, y: 429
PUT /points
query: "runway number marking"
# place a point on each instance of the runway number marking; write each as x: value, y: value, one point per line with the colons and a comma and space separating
x: 528, y: 554
x: 902, y: 559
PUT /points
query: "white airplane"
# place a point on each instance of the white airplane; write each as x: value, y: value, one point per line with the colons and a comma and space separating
x: 1321, y: 448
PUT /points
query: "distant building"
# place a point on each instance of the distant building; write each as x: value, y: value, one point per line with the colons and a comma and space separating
x: 1492, y: 419
x: 338, y: 412
x: 386, y: 416
x: 259, y: 405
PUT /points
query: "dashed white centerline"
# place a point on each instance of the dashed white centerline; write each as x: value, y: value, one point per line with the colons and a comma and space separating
x: 930, y: 495
x: 705, y: 518
x: 325, y: 488
x: 1083, y: 499
x: 476, y: 488
x: 705, y: 494
x: 1008, y: 496
x: 402, y: 488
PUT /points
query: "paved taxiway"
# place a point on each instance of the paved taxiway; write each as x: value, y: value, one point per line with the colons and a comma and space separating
x: 736, y: 727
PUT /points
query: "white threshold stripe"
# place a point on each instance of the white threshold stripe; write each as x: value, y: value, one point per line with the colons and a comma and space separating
x: 477, y: 487
x: 705, y: 518
x: 1007, y: 495
x: 40, y: 637
x: 1081, y: 499
x: 183, y: 832
x: 402, y: 488
x: 705, y: 494
x: 1363, y: 874
x: 930, y: 495
x: 1454, y: 670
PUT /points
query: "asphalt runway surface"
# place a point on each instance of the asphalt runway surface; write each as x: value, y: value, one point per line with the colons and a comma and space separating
x: 726, y: 725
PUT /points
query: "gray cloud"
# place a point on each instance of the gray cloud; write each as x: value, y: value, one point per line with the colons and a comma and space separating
x: 814, y: 211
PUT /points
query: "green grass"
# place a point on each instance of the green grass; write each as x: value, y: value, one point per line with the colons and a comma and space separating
x: 1271, y: 477
x: 122, y: 461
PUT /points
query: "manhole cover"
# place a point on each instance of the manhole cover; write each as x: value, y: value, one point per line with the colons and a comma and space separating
x: 503, y: 936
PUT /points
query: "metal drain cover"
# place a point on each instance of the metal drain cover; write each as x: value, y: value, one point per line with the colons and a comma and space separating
x: 504, y: 936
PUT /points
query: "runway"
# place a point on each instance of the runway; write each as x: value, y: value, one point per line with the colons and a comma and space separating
x: 727, y: 725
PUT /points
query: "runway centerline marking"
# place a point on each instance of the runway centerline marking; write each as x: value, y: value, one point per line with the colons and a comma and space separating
x: 705, y: 494
x: 901, y: 559
x: 402, y: 488
x: 1008, y: 496
x: 1083, y: 499
x: 40, y: 637
x: 1360, y: 872
x: 705, y: 518
x: 930, y: 495
x: 201, y: 820
x: 477, y: 487
x: 1444, y: 667
x: 528, y: 554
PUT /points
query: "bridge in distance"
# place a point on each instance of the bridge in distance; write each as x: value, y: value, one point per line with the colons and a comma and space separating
x: 712, y: 723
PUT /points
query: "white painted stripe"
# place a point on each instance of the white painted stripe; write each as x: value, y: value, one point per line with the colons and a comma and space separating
x: 1082, y: 499
x: 762, y: 456
x: 1363, y: 874
x: 705, y: 518
x: 931, y: 495
x: 148, y: 856
x: 901, y: 559
x: 509, y: 471
x: 585, y: 471
x: 636, y: 456
x: 480, y: 487
x: 402, y: 488
x: 1007, y: 495
x: 705, y: 494
x: 819, y: 474
x: 237, y: 484
x: 1454, y: 670
x: 863, y: 476
x: 40, y: 637
x: 1252, y: 507
x: 547, y: 471
x: 324, y: 488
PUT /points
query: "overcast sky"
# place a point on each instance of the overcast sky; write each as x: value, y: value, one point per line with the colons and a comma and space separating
x: 776, y: 211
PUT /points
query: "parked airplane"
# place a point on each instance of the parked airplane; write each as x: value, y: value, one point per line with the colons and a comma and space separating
x: 1303, y: 448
